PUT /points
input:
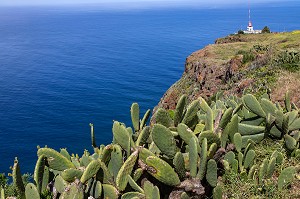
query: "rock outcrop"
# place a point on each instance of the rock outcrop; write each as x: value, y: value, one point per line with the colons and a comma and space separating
x: 240, y: 64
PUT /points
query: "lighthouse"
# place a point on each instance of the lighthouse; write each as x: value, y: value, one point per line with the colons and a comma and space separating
x: 250, y: 29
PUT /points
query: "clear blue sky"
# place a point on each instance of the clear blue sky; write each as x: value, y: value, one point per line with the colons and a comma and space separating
x: 133, y: 3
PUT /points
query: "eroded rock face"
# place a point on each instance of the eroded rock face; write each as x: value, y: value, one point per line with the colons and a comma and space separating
x: 202, y: 77
x: 236, y: 64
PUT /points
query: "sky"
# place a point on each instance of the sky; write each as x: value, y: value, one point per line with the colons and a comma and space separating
x: 133, y: 3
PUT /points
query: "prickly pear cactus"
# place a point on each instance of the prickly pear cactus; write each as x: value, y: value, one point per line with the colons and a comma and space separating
x: 182, y: 155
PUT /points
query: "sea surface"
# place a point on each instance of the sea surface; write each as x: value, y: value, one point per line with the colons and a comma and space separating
x: 62, y: 68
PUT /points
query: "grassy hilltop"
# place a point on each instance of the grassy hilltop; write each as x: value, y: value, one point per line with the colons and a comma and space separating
x: 242, y: 63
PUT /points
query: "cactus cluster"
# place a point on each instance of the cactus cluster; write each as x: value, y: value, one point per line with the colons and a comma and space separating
x: 181, y: 155
x: 289, y: 60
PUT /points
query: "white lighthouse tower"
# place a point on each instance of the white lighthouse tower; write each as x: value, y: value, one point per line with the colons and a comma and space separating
x: 250, y: 29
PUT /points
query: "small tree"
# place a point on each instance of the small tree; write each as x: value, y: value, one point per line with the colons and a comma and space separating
x: 266, y: 29
x: 240, y: 32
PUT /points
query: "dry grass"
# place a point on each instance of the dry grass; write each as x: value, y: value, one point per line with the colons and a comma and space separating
x: 287, y: 82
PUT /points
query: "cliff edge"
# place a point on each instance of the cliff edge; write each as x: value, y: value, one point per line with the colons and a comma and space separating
x: 241, y: 63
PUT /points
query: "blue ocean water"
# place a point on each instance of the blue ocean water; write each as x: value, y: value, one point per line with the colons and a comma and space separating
x: 63, y: 68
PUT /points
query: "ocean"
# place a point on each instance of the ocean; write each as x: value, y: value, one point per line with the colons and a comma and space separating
x: 62, y: 68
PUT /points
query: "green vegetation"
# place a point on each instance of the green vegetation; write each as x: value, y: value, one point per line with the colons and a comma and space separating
x: 289, y: 60
x: 248, y: 56
x: 241, y: 32
x: 231, y: 147
x: 266, y: 29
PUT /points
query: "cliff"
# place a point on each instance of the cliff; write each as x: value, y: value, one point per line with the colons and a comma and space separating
x: 243, y: 63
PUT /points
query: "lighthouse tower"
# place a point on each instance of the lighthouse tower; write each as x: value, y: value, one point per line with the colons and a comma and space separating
x: 249, y: 27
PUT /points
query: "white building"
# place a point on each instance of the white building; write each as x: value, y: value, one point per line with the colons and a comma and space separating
x: 250, y: 29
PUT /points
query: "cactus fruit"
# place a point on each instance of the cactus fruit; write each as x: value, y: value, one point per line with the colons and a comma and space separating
x: 211, y: 173
x: 164, y: 140
x: 286, y: 177
x: 249, y: 159
x: 162, y: 171
x: 55, y: 160
x: 193, y: 156
x: 125, y: 170
x: 31, y: 191
x: 179, y: 111
x: 135, y: 116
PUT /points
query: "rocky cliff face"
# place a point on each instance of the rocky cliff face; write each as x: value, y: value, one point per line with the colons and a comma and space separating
x: 241, y: 63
